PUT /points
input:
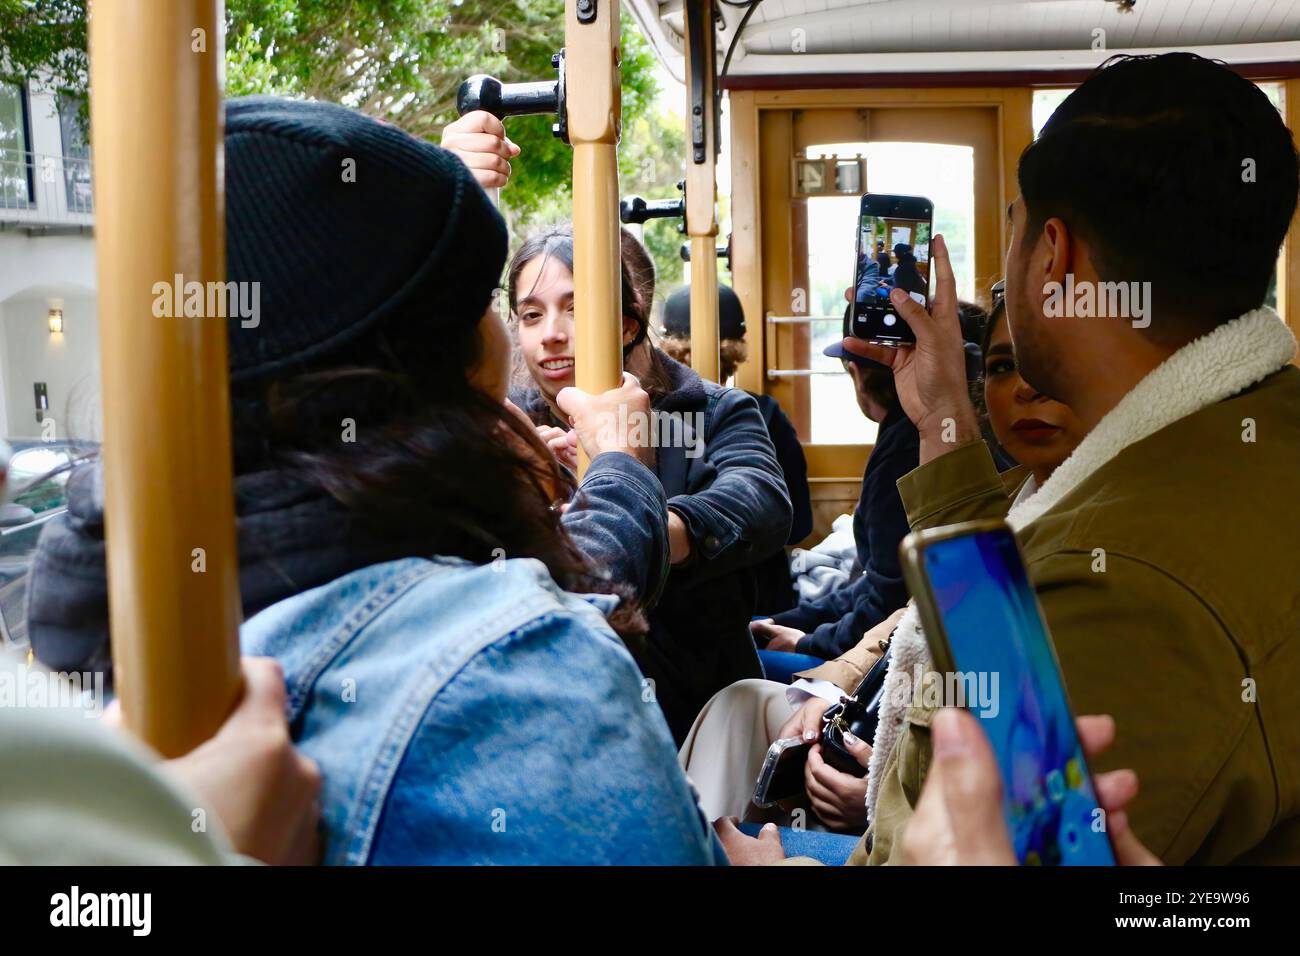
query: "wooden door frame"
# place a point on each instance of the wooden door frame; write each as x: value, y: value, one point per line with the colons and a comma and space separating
x: 764, y: 282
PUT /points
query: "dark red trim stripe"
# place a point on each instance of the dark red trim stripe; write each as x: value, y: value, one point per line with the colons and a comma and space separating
x: 1282, y: 70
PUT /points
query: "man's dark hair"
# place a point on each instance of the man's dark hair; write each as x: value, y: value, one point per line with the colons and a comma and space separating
x: 1145, y: 155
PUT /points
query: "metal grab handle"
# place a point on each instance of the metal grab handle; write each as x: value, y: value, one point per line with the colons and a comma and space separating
x: 483, y: 92
x: 801, y: 372
x: 173, y: 572
x: 802, y: 319
x: 635, y: 210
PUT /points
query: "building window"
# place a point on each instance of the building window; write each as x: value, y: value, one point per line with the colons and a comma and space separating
x: 76, y: 154
x: 15, y: 155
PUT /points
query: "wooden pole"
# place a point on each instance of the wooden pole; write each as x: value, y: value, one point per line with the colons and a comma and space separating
x: 702, y: 187
x: 155, y: 80
x: 594, y: 111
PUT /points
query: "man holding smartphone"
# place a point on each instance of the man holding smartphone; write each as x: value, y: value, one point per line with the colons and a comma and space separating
x: 1153, y: 554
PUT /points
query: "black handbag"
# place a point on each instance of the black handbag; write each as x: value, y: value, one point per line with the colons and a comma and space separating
x: 858, y: 714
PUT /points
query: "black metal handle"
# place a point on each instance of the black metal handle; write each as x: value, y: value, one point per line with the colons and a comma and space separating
x: 635, y: 209
x: 723, y: 252
x: 481, y: 92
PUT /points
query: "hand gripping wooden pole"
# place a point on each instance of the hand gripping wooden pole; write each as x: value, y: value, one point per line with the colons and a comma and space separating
x: 593, y: 107
x: 155, y: 80
x: 701, y: 186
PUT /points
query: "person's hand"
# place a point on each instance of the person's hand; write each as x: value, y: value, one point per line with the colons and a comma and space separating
x: 762, y: 850
x: 612, y: 420
x: 265, y: 793
x: 679, y: 538
x: 563, y: 445
x: 838, y: 799
x: 930, y: 376
x: 959, y: 821
x: 779, y: 637
x: 806, y: 722
x: 480, y: 141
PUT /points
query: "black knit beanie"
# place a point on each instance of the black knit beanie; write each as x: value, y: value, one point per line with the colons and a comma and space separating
x: 731, y: 316
x: 343, y: 220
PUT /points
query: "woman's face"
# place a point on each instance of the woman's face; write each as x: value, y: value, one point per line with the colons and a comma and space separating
x: 544, y: 313
x: 1035, y: 430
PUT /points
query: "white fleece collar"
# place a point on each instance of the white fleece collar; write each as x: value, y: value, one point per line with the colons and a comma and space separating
x: 1228, y: 360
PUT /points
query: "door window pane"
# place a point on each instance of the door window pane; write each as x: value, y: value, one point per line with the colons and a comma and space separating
x: 943, y: 173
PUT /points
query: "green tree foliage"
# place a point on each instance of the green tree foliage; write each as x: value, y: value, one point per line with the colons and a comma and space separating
x: 401, y: 61
x: 48, y: 36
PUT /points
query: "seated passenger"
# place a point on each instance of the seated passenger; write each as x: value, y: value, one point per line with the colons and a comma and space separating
x: 1030, y: 427
x: 775, y: 591
x: 727, y: 503
x: 1153, y: 556
x: 453, y: 662
x: 826, y: 627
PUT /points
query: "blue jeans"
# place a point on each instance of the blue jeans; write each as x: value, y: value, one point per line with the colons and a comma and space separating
x: 781, y: 666
x: 833, y: 849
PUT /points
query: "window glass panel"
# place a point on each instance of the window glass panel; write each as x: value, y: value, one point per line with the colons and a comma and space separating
x: 76, y: 155
x: 15, y: 178
x: 1045, y: 104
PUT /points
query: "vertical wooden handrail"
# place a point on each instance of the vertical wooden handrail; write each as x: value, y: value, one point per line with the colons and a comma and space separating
x: 702, y: 189
x: 594, y: 111
x: 155, y: 81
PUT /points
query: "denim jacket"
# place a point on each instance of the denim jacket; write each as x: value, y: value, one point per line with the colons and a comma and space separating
x: 467, y: 714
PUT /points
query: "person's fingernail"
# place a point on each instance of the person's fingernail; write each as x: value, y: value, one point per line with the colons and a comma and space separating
x: 769, y: 826
x: 850, y: 739
x: 949, y: 730
x: 898, y: 295
x: 810, y: 735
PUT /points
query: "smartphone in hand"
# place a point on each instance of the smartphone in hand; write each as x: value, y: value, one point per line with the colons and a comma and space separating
x: 992, y: 651
x: 893, y: 251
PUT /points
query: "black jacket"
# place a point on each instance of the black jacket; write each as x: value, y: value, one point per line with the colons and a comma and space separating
x: 836, y: 622
x: 732, y: 496
x: 775, y: 589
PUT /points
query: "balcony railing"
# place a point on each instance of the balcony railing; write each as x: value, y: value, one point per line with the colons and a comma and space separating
x: 45, y: 193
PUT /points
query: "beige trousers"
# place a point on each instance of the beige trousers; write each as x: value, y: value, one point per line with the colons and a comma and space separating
x: 724, y: 751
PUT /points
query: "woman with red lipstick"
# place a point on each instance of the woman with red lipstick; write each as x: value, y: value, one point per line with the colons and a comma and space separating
x: 1037, y: 431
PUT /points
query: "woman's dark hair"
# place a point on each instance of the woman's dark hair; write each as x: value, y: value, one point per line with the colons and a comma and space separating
x: 418, y: 456
x: 996, y: 313
x: 1142, y: 158
x: 731, y: 353
x: 637, y: 289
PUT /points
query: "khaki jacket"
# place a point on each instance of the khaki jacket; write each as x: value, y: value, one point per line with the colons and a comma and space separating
x: 1189, y: 637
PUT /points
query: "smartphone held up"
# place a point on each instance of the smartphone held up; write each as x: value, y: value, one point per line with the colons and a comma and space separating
x: 893, y: 252
x: 986, y: 632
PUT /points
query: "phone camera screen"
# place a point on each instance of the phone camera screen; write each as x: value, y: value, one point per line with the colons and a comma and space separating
x: 893, y: 252
x: 1008, y: 674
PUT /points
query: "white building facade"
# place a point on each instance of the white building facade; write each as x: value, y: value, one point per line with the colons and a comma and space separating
x: 49, y: 329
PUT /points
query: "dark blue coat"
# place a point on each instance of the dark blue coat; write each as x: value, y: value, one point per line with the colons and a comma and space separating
x: 836, y: 622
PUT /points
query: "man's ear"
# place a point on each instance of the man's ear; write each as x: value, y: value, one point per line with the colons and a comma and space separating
x: 1056, y: 247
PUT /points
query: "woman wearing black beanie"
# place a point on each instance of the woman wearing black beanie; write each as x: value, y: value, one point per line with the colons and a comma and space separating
x: 447, y: 648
